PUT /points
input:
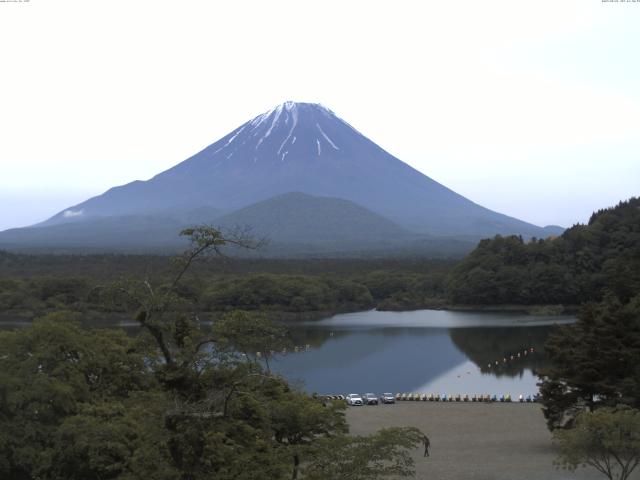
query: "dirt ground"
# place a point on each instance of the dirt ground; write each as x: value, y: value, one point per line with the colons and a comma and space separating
x: 473, y: 441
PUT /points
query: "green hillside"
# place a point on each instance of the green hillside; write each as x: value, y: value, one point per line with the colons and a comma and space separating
x: 578, y: 266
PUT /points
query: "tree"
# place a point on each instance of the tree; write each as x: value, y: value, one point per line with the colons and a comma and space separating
x: 174, y: 403
x: 581, y: 265
x: 378, y: 456
x: 607, y: 440
x: 60, y: 383
x: 300, y: 423
x: 595, y: 362
x: 252, y: 335
x: 155, y: 303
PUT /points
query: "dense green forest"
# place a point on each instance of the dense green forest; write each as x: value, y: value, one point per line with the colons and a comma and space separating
x: 581, y: 265
x: 177, y: 401
x: 32, y: 285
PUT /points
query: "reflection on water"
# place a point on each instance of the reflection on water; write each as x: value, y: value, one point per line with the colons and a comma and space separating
x: 423, y: 351
x: 488, y: 348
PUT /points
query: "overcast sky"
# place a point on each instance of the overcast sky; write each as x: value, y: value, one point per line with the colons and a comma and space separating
x: 529, y: 108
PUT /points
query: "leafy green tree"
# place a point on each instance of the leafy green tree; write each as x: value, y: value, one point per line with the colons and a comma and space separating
x: 581, y: 265
x: 382, y: 455
x: 595, y: 362
x: 299, y: 423
x: 607, y: 440
x: 111, y: 440
x: 50, y: 373
x: 174, y: 403
x: 254, y: 336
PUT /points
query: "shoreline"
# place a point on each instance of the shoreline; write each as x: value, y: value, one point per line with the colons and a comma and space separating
x: 542, y: 309
x: 8, y: 318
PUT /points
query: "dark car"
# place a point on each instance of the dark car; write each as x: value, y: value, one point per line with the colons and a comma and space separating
x: 370, y: 399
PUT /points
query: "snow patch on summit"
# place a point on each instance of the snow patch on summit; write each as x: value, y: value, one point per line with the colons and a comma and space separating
x: 236, y: 134
x: 283, y: 124
x: 278, y: 111
x: 294, y: 116
x: 327, y: 138
x: 231, y: 139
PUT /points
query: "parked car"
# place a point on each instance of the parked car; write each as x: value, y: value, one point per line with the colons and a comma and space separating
x: 388, y: 398
x: 370, y: 399
x: 354, y: 399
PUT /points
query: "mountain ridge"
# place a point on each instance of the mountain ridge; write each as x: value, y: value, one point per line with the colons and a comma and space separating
x: 293, y: 224
x: 306, y: 148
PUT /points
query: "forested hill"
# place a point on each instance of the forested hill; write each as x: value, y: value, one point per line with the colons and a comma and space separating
x: 580, y: 265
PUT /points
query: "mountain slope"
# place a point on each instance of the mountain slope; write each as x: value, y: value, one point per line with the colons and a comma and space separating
x: 294, y: 224
x: 137, y: 233
x: 300, y: 218
x: 301, y: 147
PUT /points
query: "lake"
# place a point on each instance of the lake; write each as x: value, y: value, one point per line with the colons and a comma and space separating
x: 425, y: 351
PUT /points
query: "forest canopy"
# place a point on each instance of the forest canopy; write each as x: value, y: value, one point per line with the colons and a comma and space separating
x: 581, y: 265
x: 178, y: 401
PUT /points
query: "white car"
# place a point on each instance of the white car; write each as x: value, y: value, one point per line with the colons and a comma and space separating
x: 354, y: 399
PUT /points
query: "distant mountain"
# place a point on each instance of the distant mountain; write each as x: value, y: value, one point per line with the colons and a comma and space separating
x: 300, y: 224
x: 300, y: 218
x: 132, y: 233
x: 298, y: 147
x: 293, y: 224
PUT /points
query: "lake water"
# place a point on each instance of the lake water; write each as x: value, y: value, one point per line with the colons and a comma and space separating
x: 426, y: 351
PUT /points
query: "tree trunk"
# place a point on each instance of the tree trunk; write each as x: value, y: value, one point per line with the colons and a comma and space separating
x: 296, y: 466
x: 159, y: 338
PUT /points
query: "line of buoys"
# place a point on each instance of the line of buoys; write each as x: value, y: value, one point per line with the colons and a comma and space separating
x: 296, y: 349
x: 304, y: 348
x: 515, y: 356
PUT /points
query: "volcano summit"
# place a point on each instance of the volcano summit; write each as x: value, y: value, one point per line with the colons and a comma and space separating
x: 296, y: 147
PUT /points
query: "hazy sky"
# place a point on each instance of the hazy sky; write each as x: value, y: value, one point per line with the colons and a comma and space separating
x: 530, y: 108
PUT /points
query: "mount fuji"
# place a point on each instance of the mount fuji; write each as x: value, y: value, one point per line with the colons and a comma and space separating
x: 300, y: 148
